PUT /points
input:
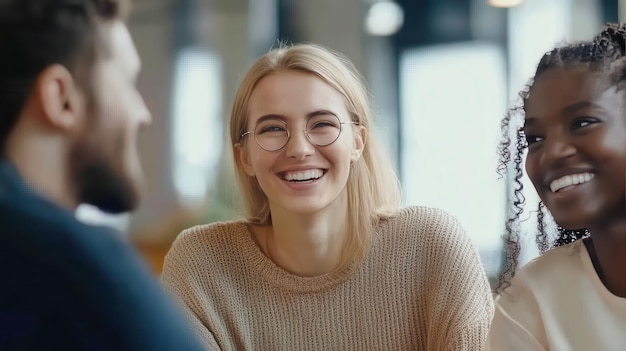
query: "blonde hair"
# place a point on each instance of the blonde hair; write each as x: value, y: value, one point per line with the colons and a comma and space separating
x: 373, y: 189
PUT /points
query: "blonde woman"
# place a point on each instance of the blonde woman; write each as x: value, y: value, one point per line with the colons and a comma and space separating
x: 326, y: 258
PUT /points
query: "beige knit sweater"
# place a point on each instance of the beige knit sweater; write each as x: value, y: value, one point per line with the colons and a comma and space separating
x: 420, y: 287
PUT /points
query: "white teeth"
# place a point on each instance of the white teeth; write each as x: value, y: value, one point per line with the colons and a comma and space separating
x: 309, y: 174
x: 568, y: 180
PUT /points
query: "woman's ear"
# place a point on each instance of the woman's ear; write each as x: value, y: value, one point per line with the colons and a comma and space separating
x: 360, y: 138
x: 243, y: 157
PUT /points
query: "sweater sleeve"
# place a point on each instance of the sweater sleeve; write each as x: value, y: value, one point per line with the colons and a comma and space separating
x: 179, y: 280
x: 461, y: 303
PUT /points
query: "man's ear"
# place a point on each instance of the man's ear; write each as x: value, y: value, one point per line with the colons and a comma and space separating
x: 243, y: 157
x: 360, y: 138
x: 58, y: 98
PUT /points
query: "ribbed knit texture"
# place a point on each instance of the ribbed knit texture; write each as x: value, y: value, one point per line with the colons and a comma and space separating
x: 420, y: 287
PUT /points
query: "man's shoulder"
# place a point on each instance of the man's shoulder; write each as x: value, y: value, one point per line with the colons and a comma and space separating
x: 40, y: 240
x: 42, y: 231
x: 81, y: 280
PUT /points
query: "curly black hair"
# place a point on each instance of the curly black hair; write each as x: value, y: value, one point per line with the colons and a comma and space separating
x: 605, y: 54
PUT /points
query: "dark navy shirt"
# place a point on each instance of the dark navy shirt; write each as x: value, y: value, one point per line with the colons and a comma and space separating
x: 65, y: 285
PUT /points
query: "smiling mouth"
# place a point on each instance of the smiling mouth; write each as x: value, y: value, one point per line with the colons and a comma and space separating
x: 569, y: 181
x: 309, y: 175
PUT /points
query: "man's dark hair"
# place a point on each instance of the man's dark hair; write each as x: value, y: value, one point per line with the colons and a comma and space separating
x: 606, y: 55
x: 35, y: 34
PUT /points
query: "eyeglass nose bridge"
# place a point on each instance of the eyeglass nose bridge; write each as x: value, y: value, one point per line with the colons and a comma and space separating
x: 306, y: 135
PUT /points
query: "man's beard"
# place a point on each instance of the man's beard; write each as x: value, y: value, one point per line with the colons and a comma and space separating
x: 106, y: 189
x: 99, y: 179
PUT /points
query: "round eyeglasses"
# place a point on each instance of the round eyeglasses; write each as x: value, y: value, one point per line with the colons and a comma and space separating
x: 272, y: 134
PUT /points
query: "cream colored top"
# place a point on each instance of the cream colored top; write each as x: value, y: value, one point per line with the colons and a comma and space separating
x: 557, y: 302
x: 420, y: 287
